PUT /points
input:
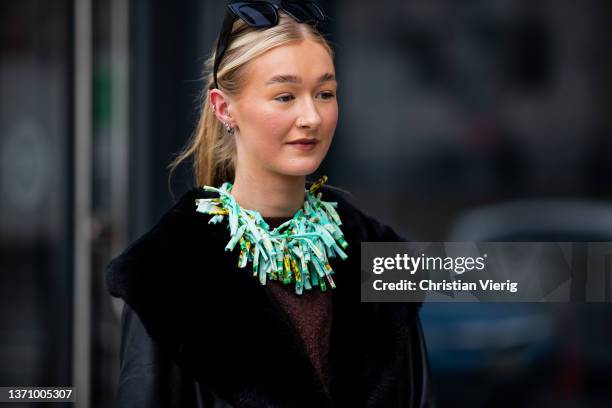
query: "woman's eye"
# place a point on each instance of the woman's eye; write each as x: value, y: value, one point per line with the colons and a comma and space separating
x: 288, y: 98
x: 327, y: 95
x: 284, y: 98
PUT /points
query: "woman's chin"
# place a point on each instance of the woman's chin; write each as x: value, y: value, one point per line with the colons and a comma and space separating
x: 300, y: 167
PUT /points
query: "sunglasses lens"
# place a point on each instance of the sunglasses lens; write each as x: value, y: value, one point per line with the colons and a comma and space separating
x: 304, y: 12
x: 256, y: 14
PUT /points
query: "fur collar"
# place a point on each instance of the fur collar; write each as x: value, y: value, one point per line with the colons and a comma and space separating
x: 227, y: 331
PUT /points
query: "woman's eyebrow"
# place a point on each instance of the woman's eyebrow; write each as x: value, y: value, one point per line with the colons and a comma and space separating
x: 293, y: 79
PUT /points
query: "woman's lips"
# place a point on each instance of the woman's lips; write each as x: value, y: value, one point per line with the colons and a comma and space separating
x: 304, y: 145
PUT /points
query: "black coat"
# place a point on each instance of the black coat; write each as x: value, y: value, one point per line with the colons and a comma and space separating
x: 205, y: 333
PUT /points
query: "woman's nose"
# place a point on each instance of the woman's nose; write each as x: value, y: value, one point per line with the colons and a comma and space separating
x: 309, y: 115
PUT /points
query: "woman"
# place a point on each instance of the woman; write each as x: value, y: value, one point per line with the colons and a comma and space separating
x: 246, y: 293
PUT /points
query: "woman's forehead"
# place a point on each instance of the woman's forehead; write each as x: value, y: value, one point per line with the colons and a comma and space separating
x: 295, y: 62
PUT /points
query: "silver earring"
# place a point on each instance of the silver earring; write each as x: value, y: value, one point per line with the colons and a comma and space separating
x: 214, y: 108
x: 228, y: 129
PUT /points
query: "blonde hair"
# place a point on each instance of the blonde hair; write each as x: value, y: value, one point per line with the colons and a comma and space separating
x: 212, y: 149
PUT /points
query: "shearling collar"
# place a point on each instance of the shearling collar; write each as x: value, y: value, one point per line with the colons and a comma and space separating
x: 226, y: 329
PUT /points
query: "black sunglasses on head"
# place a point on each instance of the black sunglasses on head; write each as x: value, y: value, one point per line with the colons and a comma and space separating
x: 262, y: 14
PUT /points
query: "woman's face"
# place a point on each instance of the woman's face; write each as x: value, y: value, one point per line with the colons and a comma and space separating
x: 290, y: 95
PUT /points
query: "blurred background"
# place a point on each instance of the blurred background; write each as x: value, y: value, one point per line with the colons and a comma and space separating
x: 459, y: 120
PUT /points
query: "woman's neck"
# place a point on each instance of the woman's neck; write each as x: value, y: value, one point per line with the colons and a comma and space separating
x: 272, y: 195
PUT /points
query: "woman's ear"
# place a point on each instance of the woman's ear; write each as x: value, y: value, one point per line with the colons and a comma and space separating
x: 219, y: 103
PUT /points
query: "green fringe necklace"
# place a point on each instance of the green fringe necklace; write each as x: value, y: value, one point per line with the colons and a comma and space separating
x: 296, y: 251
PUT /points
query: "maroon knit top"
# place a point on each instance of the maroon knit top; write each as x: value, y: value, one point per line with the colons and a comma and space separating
x: 310, y: 314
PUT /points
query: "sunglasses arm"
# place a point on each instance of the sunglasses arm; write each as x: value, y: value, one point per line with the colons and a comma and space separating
x: 222, y: 42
